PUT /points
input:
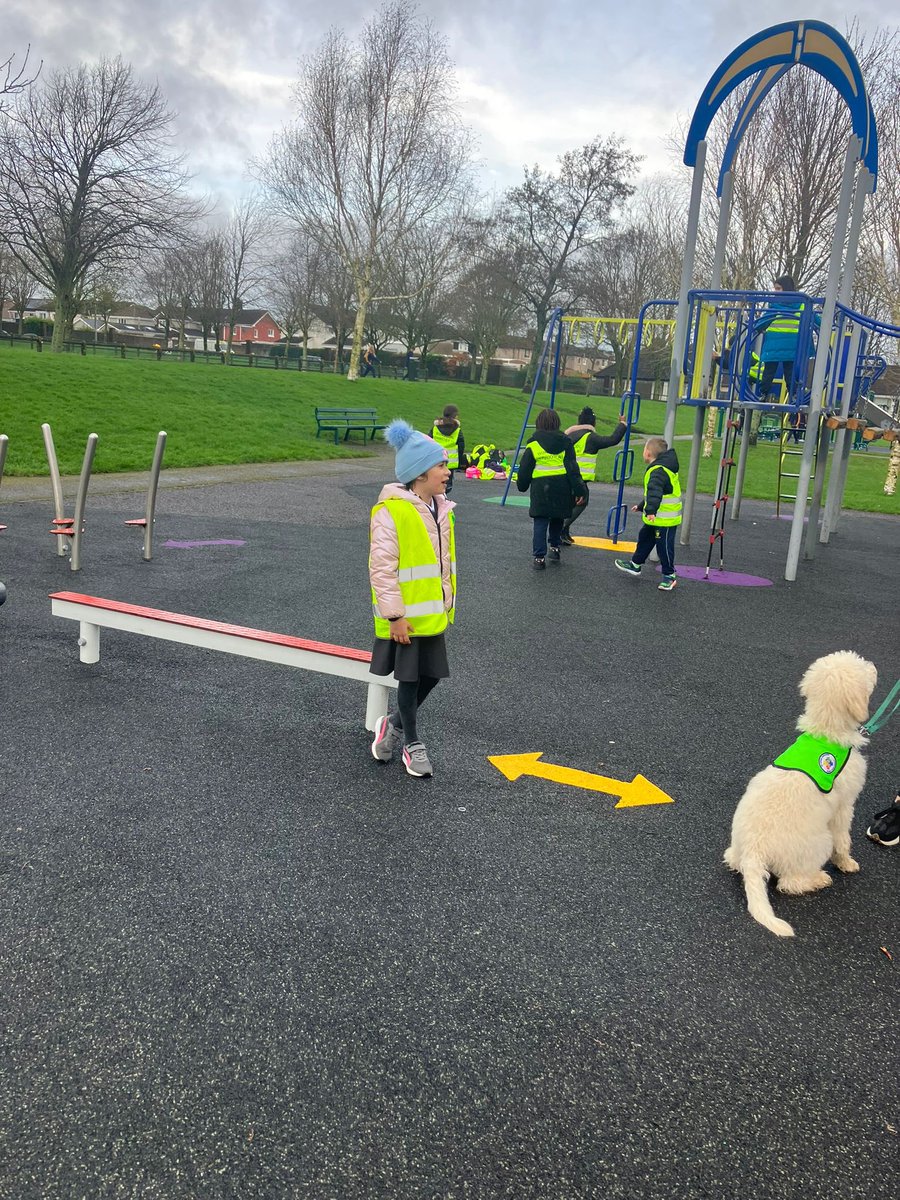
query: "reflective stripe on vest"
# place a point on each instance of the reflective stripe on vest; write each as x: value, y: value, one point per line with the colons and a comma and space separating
x: 669, y: 511
x: 450, y: 444
x: 817, y: 758
x: 545, y: 463
x: 785, y: 323
x: 418, y: 573
x: 587, y: 463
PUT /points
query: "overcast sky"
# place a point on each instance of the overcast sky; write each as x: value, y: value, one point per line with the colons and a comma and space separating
x: 536, y: 77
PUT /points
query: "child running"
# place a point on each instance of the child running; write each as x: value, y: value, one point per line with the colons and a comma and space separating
x: 447, y: 432
x: 661, y: 507
x: 412, y: 570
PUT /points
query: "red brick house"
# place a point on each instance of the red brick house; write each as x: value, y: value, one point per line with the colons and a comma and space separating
x: 254, y: 325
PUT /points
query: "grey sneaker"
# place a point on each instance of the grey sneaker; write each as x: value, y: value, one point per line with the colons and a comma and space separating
x: 415, y: 759
x: 387, y: 739
x: 626, y: 565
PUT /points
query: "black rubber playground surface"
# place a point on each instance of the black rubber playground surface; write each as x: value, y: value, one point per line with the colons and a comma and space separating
x: 242, y: 959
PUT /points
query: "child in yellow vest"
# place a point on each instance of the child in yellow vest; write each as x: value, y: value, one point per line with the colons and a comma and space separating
x: 447, y: 432
x: 661, y: 507
x: 412, y: 571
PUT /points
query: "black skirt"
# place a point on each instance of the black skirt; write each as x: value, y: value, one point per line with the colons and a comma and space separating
x: 423, y: 656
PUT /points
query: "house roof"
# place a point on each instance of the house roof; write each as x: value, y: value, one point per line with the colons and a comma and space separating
x: 252, y: 316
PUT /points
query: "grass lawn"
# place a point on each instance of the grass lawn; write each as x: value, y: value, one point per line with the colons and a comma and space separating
x: 217, y: 415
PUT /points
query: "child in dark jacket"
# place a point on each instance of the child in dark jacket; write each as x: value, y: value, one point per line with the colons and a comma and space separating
x: 661, y: 507
x: 548, y: 466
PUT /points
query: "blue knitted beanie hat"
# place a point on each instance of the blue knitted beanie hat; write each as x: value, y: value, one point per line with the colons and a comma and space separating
x: 416, y: 452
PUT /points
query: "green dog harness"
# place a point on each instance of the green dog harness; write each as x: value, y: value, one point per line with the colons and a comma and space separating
x: 820, y: 760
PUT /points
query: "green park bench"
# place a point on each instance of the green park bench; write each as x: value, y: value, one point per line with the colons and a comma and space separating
x: 347, y: 421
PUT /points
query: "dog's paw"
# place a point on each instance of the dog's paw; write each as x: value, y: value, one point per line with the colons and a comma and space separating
x: 848, y: 865
x: 799, y: 885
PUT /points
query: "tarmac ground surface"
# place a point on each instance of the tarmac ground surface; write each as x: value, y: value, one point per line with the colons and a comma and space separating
x: 242, y: 959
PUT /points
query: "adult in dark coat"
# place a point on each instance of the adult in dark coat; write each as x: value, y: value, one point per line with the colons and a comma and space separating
x: 548, y: 466
x: 587, y: 428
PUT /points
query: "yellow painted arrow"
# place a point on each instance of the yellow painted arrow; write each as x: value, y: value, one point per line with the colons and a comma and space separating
x: 638, y: 791
x: 605, y: 544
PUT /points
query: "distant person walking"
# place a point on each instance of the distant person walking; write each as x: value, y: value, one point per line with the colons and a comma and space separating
x: 369, y: 361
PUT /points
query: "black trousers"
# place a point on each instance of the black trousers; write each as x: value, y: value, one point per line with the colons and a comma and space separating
x: 663, y: 538
x: 577, y: 510
x: 770, y: 370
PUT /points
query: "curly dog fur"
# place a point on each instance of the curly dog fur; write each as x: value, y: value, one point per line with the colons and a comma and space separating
x: 783, y: 825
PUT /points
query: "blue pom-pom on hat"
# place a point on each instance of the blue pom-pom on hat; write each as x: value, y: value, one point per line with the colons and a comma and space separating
x: 416, y: 452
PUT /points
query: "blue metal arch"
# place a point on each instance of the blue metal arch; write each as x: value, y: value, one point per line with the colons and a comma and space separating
x: 769, y: 55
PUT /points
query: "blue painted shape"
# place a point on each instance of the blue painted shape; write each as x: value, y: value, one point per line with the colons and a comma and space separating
x: 811, y: 44
x: 172, y: 545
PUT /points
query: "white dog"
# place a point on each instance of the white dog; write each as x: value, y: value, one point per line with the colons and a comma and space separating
x: 796, y: 814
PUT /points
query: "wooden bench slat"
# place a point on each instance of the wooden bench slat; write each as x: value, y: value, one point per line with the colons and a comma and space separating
x: 256, y: 635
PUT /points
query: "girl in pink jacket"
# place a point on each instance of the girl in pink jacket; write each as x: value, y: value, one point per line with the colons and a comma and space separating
x: 412, y: 570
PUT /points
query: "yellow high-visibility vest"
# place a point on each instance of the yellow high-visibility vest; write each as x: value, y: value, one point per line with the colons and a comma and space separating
x: 669, y: 511
x: 450, y: 444
x: 545, y: 463
x: 419, y: 573
x: 587, y: 463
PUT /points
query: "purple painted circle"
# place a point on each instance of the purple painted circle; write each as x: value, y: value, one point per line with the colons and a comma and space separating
x: 724, y: 578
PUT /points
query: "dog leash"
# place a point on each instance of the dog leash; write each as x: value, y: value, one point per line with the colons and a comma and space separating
x: 884, y: 712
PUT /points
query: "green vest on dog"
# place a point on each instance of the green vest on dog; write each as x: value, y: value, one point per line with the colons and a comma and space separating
x: 818, y: 758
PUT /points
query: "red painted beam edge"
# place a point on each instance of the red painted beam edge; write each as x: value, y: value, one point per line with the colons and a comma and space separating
x: 255, y: 635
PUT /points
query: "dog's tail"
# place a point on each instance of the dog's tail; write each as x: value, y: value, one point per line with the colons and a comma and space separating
x: 758, y: 903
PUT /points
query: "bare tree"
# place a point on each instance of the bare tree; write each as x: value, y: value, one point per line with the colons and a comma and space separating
x: 167, y: 282
x: 422, y: 274
x: 487, y: 302
x: 14, y: 80
x: 86, y: 180
x: 637, y: 260
x: 208, y: 267
x: 879, y: 263
x: 295, y: 282
x: 377, y: 149
x: 20, y: 283
x: 557, y: 216
x: 787, y: 169
x: 337, y: 311
x: 102, y: 292
x: 241, y: 239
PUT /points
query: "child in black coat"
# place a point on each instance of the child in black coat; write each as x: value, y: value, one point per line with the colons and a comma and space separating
x: 548, y: 466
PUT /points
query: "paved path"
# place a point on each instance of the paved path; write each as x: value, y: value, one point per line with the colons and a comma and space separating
x: 241, y: 959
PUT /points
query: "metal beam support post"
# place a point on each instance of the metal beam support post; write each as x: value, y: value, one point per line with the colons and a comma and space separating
x: 149, y: 514
x: 840, y: 459
x: 56, y: 486
x: 844, y: 293
x: 822, y: 353
x: 80, y: 500
x: 865, y: 185
x: 687, y: 273
x: 693, y: 471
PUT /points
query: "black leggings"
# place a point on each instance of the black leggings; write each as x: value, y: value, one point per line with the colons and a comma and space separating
x: 410, y: 696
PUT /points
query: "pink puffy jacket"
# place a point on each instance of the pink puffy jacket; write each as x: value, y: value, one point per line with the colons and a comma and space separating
x: 384, y: 552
